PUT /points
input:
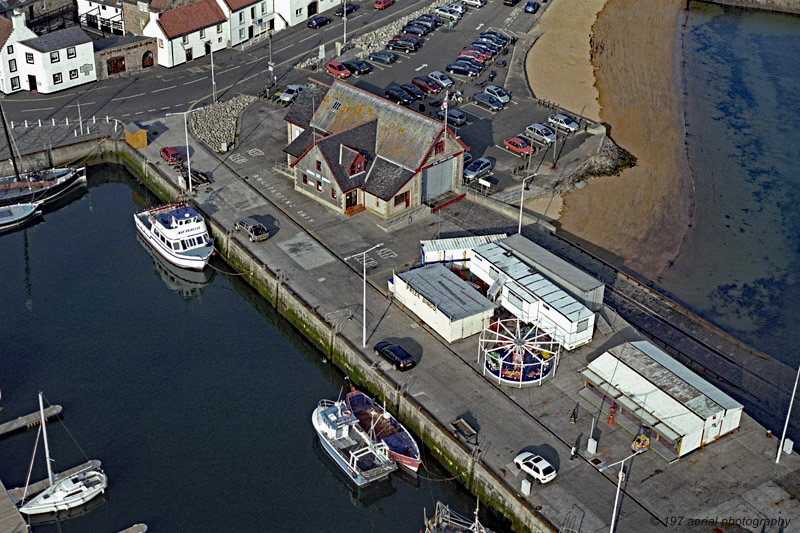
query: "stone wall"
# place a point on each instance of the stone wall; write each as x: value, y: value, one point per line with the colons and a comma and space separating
x: 782, y: 6
x: 134, y: 56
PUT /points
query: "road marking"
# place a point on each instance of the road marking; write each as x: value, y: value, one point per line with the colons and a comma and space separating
x: 253, y: 61
x: 76, y: 105
x: 150, y: 110
x: 195, y: 81
x: 39, y: 109
x: 285, y: 48
x: 126, y: 97
x: 255, y: 152
x: 163, y: 108
x: 357, y: 16
x: 307, y: 38
x: 230, y: 69
x: 422, y: 66
x: 139, y: 112
x: 479, y: 26
x: 126, y: 115
x: 164, y: 89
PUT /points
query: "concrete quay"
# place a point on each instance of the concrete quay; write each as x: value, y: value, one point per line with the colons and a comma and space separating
x: 735, y: 478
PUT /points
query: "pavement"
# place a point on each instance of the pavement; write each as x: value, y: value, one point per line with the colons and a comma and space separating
x: 735, y: 477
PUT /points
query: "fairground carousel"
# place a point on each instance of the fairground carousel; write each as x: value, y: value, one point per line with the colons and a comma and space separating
x: 514, y: 353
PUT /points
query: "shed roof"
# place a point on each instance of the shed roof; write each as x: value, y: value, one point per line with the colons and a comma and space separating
x: 458, y: 243
x: 58, y: 40
x: 134, y: 127
x: 528, y: 279
x: 450, y: 294
x: 186, y: 19
x: 118, y: 41
x: 550, y: 262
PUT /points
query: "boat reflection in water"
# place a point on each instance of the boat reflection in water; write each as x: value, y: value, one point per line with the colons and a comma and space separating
x: 363, y: 496
x: 187, y: 283
x: 69, y: 514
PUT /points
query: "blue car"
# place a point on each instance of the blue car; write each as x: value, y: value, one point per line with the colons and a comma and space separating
x: 531, y: 7
x: 462, y: 69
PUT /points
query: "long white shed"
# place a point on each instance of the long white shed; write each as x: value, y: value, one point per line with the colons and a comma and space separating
x: 453, y: 251
x: 448, y: 304
x: 682, y: 410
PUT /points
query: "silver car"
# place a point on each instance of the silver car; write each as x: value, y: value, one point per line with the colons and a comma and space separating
x: 541, y: 133
x: 474, y: 3
x: 562, y: 122
x: 256, y: 231
x: 448, y: 13
x: 291, y: 93
x: 477, y: 169
x: 461, y: 8
x: 441, y: 78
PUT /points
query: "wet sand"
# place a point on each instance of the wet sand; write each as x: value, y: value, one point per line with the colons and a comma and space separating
x: 619, y: 67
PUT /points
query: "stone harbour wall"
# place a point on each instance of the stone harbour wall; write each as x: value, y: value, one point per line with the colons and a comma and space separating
x: 781, y: 6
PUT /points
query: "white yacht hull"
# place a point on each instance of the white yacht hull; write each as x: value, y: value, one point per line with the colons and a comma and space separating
x: 191, y: 262
x: 67, y: 493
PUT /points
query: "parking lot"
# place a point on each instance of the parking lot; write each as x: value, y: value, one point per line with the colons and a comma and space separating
x: 484, y: 131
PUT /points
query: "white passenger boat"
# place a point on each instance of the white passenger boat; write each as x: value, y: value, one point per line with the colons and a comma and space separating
x: 178, y: 233
x: 68, y: 492
x: 363, y: 460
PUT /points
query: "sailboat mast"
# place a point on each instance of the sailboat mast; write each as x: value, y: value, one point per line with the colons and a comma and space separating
x: 8, y: 141
x: 46, y: 446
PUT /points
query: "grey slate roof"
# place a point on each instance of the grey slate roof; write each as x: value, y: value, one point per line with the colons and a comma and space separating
x: 301, y: 143
x: 115, y: 41
x: 362, y: 139
x: 450, y: 294
x: 307, y: 101
x: 58, y: 40
x: 385, y: 178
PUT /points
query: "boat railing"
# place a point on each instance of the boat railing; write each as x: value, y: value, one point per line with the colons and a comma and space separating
x: 326, y: 403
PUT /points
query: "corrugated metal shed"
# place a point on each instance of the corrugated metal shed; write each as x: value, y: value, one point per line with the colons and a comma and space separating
x: 528, y: 278
x: 449, y: 293
x: 456, y: 244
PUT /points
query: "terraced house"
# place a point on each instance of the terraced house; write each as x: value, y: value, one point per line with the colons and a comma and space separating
x: 351, y: 150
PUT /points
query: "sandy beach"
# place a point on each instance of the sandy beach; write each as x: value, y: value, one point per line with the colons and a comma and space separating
x: 612, y: 61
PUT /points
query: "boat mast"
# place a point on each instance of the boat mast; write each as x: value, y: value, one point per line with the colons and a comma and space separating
x: 46, y: 447
x: 8, y: 141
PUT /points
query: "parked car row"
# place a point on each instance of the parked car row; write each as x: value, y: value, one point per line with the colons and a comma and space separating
x: 475, y: 57
x: 546, y: 134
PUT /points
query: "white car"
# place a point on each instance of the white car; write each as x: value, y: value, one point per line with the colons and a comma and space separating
x: 536, y: 466
x: 474, y: 3
x: 541, y: 133
x: 563, y: 122
x: 461, y: 8
x: 498, y: 93
x: 448, y: 13
x: 441, y: 78
x: 291, y: 93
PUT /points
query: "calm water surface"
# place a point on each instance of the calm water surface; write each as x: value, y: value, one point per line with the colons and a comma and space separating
x: 193, y: 393
x: 739, y: 267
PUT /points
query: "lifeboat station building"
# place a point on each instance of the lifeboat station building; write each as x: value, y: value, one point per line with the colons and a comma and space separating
x: 648, y: 392
x: 519, y: 284
x: 448, y: 304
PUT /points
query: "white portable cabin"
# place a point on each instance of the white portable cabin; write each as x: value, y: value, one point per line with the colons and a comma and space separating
x: 684, y: 410
x: 442, y: 300
x: 585, y: 288
x: 453, y: 251
x: 531, y: 297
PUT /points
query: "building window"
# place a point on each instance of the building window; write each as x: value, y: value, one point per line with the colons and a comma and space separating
x: 241, y: 17
x: 319, y: 166
x: 298, y: 12
x: 333, y: 193
x: 493, y: 273
x: 583, y: 325
x: 305, y: 179
x: 103, y: 8
x: 57, y: 78
x: 319, y: 185
x: 29, y: 58
x: 185, y: 39
x: 203, y: 34
x: 219, y: 28
x: 253, y: 12
x: 12, y: 65
x: 71, y: 52
x: 439, y: 148
x: 241, y: 33
x: 514, y: 300
x: 160, y: 43
x: 142, y: 6
x: 54, y: 57
x: 10, y: 49
x: 141, y: 24
x: 73, y: 74
x: 15, y: 83
x: 263, y: 7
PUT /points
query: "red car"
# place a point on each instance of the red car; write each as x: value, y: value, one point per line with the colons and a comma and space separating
x: 426, y: 84
x: 171, y: 155
x: 518, y: 145
x: 475, y: 52
x: 382, y: 4
x: 338, y: 69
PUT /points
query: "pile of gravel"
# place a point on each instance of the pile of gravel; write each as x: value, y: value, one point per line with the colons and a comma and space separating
x: 215, y: 124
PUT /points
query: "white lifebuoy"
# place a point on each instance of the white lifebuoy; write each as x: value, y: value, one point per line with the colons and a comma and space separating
x: 345, y: 413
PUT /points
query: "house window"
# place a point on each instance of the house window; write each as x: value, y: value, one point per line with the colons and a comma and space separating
x: 439, y: 148
x: 103, y: 8
x: 57, y: 78
x: 305, y: 179
x: 141, y: 24
x: 219, y: 28
x: 203, y: 34
x: 12, y: 65
x: 73, y: 74
x: 263, y: 7
x: 54, y: 57
x: 29, y: 58
x: 298, y: 12
x: 241, y: 33
x: 319, y: 185
x: 583, y: 325
x: 253, y: 12
x: 333, y: 193
x: 514, y: 300
x: 142, y: 6
x: 185, y: 39
x: 545, y: 307
x: 15, y: 83
x: 10, y: 49
x: 319, y: 166
x: 241, y: 17
x: 160, y: 43
x: 71, y: 52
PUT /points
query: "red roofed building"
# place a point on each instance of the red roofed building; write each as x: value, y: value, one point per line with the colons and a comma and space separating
x: 188, y: 32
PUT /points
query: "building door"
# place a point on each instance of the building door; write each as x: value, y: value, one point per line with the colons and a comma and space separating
x: 208, y: 47
x: 147, y: 59
x: 312, y: 9
x: 32, y: 83
x: 437, y: 179
x: 250, y: 32
x: 351, y: 199
x: 116, y: 65
x: 188, y: 54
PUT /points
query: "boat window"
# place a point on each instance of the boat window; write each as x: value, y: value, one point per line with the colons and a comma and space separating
x: 186, y: 245
x: 176, y: 246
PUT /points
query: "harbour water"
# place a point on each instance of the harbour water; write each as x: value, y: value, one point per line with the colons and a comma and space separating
x: 193, y: 393
x: 740, y: 262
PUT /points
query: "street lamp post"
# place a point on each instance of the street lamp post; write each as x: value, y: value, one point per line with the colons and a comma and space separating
x: 213, y: 81
x: 620, y: 476
x: 788, y: 415
x: 364, y: 303
x: 344, y: 19
x: 186, y: 133
x: 521, y: 195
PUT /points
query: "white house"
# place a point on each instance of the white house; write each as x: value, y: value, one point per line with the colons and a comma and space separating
x: 56, y: 61
x: 13, y: 31
x: 531, y: 297
x: 248, y: 18
x: 188, y: 32
x: 105, y: 15
x: 295, y: 12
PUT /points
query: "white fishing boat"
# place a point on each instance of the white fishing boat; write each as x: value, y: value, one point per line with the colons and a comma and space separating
x: 66, y: 493
x: 445, y: 520
x: 15, y: 216
x: 178, y: 233
x: 363, y: 460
